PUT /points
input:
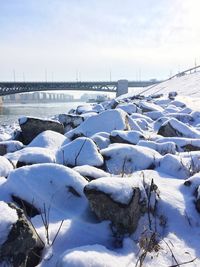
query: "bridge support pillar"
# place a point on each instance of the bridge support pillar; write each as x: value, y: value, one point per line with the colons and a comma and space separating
x: 122, y: 87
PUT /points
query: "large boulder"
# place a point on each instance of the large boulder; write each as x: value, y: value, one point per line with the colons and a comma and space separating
x: 175, y: 128
x: 126, y: 159
x: 81, y: 151
x: 31, y: 127
x: 116, y: 199
x: 20, y: 241
x: 106, y: 121
x: 48, y: 184
x: 49, y: 139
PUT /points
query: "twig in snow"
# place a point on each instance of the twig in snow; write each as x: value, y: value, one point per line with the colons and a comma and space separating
x: 183, y: 263
x: 75, y: 163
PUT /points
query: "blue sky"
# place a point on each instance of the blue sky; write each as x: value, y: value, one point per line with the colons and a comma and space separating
x: 132, y: 39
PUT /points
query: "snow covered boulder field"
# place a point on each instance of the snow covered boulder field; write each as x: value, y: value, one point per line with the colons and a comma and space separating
x: 105, y: 185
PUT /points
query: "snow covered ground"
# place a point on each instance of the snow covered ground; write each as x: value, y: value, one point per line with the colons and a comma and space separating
x: 147, y: 148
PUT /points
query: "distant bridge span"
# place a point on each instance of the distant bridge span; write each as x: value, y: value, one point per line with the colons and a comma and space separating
x: 118, y: 87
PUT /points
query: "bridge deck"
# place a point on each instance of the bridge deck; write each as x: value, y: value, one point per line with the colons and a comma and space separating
x: 7, y: 88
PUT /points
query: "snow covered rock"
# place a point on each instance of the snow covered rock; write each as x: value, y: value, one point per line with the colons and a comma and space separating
x: 101, y: 139
x: 10, y: 146
x: 98, y: 108
x: 162, y: 148
x: 48, y: 184
x: 154, y: 115
x: 90, y: 172
x: 182, y: 144
x: 48, y: 139
x: 81, y: 109
x: 147, y: 106
x: 128, y: 108
x: 185, y: 118
x: 5, y: 166
x: 175, y: 128
x: 116, y: 199
x: 33, y: 155
x: 112, y: 104
x: 178, y: 104
x: 81, y: 151
x: 125, y: 158
x: 174, y: 166
x: 70, y: 121
x: 141, y: 116
x: 127, y: 137
x: 106, y: 121
x: 21, y: 239
x: 134, y: 125
x: 31, y: 127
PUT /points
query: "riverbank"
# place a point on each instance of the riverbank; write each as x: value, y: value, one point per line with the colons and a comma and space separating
x: 116, y: 181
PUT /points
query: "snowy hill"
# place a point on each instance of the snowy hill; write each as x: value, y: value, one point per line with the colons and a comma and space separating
x: 187, y: 85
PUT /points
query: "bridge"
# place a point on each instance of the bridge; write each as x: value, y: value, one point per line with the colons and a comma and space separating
x: 118, y: 87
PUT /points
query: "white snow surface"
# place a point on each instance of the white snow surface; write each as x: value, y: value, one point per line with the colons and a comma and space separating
x: 48, y: 139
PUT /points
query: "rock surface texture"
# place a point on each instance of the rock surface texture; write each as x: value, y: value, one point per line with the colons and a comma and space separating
x: 21, y: 240
x: 31, y: 127
x: 124, y: 217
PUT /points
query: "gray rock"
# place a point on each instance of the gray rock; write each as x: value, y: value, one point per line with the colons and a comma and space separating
x: 21, y: 240
x: 31, y: 127
x: 124, y: 217
x: 167, y: 130
x: 70, y: 121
